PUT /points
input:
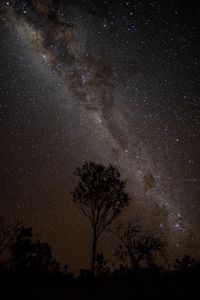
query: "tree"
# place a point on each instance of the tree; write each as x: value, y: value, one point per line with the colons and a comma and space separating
x: 7, y: 234
x: 185, y: 263
x: 101, y: 196
x: 137, y: 246
x: 102, y: 270
x: 30, y: 256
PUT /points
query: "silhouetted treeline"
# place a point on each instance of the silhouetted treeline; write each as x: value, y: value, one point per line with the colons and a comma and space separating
x: 29, y: 269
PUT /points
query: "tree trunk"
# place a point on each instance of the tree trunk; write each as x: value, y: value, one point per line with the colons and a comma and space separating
x: 93, y: 264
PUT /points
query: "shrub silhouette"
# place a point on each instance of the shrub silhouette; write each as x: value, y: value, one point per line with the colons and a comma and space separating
x: 31, y: 256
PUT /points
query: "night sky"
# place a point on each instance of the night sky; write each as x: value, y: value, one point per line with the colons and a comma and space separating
x: 106, y: 81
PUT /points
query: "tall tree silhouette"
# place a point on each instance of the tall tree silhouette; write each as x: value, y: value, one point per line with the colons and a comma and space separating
x: 101, y: 196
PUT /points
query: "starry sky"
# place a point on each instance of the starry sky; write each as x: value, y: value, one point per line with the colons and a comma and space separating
x: 107, y: 81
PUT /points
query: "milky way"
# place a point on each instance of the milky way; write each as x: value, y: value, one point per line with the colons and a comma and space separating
x: 111, y: 82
